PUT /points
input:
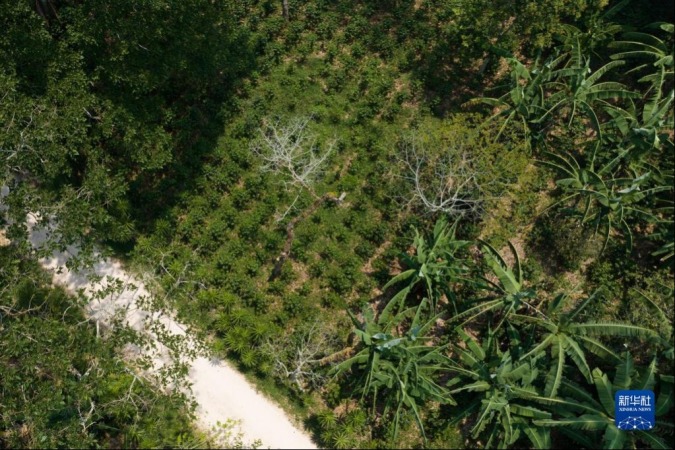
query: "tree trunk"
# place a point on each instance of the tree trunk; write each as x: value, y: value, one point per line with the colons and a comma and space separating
x: 284, y: 9
x: 290, y: 232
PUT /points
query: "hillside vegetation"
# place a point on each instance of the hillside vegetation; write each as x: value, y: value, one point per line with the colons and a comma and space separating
x: 423, y: 224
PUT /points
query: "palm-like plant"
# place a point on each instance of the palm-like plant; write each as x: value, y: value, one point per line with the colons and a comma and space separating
x: 435, y: 264
x: 581, y: 411
x: 605, y: 201
x: 511, y: 295
x: 567, y: 338
x: 503, y: 388
x: 577, y: 88
x: 526, y: 99
x: 564, y: 84
x: 398, y: 369
x: 648, y: 130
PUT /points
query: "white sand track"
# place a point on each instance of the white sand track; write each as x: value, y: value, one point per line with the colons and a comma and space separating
x: 220, y: 391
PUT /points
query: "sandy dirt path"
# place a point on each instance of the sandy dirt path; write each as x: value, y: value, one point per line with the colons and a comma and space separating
x: 221, y: 392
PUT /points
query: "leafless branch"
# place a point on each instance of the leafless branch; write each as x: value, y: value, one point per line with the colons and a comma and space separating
x: 291, y: 149
x: 441, y: 181
x: 296, y: 358
x: 85, y: 419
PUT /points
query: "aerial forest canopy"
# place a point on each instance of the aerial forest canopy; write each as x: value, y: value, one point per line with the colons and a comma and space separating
x: 427, y: 224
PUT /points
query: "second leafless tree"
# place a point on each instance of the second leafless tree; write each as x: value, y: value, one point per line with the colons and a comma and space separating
x: 443, y: 180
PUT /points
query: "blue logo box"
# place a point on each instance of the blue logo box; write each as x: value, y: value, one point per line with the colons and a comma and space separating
x: 634, y: 410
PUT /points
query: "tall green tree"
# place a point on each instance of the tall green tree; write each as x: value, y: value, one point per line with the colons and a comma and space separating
x: 63, y: 383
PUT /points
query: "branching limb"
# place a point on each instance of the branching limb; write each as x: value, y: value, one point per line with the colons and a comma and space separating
x: 446, y: 181
x: 290, y: 149
x: 296, y: 358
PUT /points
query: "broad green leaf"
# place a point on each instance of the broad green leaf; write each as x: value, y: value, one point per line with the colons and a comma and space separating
x: 529, y: 411
x: 581, y: 394
x: 598, y: 348
x: 583, y: 422
x: 564, y: 403
x: 471, y: 343
x: 648, y: 377
x: 507, y: 426
x: 664, y: 401
x: 612, y: 329
x: 400, y: 277
x: 481, y: 422
x: 613, y: 438
x: 478, y: 386
x: 577, y: 355
x: 519, y: 271
x: 556, y: 371
x: 397, y: 300
x: 539, y: 437
x: 605, y: 392
x: 652, y: 440
x: 507, y: 278
x: 624, y: 372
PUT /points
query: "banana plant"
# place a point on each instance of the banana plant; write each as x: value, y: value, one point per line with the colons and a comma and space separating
x: 588, y: 418
x: 565, y: 337
x: 649, y: 129
x: 665, y: 336
x: 607, y: 201
x: 526, y: 99
x: 507, y: 287
x: 435, y: 265
x: 564, y: 84
x: 647, y: 47
x: 399, y: 370
x: 666, y: 235
x: 575, y: 87
x: 501, y: 389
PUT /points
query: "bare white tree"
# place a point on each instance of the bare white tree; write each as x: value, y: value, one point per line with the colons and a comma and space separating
x: 290, y: 149
x: 445, y: 181
x: 297, y: 357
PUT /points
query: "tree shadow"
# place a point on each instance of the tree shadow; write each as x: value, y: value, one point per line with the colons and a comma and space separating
x: 135, y: 98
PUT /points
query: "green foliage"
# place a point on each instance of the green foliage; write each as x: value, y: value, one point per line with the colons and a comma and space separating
x: 95, y: 110
x: 589, y: 419
x: 508, y: 288
x: 554, y: 90
x: 566, y: 337
x: 133, y: 123
x: 342, y: 431
x: 648, y: 130
x: 63, y: 384
x: 614, y: 176
x: 436, y: 265
x: 501, y: 390
x: 608, y: 202
x: 397, y: 370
